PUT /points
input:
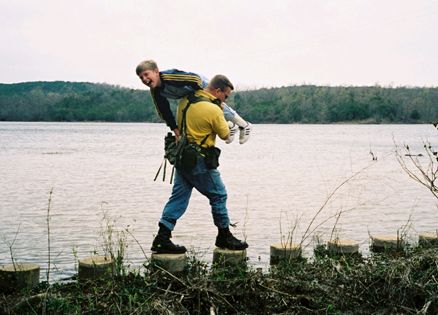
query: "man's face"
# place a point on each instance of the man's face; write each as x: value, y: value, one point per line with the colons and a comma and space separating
x: 151, y: 78
x: 222, y: 95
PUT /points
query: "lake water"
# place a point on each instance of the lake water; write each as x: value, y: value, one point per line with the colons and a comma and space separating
x: 276, y: 183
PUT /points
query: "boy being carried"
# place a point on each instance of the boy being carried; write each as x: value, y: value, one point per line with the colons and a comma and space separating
x: 176, y: 84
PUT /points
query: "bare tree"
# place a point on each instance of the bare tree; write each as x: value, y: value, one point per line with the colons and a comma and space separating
x: 423, y: 168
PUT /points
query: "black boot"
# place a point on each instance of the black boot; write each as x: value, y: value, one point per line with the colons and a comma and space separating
x: 162, y: 243
x: 226, y: 240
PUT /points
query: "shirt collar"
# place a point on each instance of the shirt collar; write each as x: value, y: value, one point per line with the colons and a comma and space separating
x: 208, y: 95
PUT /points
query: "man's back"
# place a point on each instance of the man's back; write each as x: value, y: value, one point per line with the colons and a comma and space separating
x: 203, y: 118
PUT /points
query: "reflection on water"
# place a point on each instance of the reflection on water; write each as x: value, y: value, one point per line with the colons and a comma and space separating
x: 276, y: 183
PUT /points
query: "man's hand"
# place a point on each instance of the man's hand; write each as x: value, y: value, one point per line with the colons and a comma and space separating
x: 233, y: 129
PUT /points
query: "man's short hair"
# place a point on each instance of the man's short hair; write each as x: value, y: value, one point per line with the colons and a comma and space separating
x: 146, y: 65
x: 220, y: 81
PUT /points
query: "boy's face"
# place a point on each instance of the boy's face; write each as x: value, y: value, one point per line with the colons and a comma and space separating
x: 151, y: 78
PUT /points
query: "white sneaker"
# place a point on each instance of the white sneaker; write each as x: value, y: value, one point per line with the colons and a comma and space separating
x: 233, y: 130
x: 245, y: 132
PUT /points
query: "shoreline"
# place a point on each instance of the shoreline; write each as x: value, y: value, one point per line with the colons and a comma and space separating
x: 403, y: 282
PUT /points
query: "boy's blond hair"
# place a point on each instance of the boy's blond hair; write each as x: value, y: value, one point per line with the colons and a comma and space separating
x: 146, y: 65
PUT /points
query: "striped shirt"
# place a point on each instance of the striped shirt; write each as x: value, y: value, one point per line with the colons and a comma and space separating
x: 175, y: 84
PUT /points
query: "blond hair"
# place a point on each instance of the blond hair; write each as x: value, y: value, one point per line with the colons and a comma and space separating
x: 146, y: 65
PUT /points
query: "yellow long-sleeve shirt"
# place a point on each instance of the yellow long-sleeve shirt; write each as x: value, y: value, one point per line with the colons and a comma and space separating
x: 203, y: 118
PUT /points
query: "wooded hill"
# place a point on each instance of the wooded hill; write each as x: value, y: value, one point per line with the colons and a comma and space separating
x: 78, y: 101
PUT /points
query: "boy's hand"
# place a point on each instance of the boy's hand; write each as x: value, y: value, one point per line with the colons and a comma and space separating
x: 177, y: 134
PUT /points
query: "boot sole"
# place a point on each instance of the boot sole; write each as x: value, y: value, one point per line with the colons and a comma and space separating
x: 164, y: 251
x: 232, y: 248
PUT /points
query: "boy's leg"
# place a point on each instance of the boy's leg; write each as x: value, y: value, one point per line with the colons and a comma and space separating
x: 231, y: 115
x: 244, y: 126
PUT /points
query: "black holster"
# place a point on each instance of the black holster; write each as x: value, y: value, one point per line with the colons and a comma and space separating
x: 211, y: 157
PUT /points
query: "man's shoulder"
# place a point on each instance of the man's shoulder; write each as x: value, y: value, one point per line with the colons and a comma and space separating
x: 203, y: 96
x: 205, y: 100
x: 210, y: 108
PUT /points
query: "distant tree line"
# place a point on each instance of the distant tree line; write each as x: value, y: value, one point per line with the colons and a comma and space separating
x: 75, y: 101
x: 322, y: 104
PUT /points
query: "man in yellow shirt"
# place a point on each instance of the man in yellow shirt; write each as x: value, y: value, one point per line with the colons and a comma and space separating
x: 176, y: 84
x: 204, y: 121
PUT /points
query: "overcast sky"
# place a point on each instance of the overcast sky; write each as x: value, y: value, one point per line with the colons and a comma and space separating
x: 255, y: 43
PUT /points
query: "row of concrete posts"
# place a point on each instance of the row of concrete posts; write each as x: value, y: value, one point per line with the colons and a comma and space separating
x: 26, y: 275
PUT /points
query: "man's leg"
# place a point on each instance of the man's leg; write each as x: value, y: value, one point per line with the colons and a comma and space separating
x: 178, y: 201
x: 210, y: 184
x: 173, y: 210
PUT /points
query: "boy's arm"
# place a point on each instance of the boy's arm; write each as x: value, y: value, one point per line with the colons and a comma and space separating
x: 163, y: 109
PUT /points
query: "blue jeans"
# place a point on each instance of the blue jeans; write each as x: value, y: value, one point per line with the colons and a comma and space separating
x: 208, y: 182
x: 229, y: 113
